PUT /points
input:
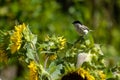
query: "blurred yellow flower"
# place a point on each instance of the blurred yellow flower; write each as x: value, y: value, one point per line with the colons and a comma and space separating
x: 53, y: 57
x: 102, y: 75
x: 62, y: 42
x: 33, y: 71
x: 20, y: 28
x: 16, y: 38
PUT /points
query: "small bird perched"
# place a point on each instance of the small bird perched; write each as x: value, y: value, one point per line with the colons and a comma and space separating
x: 80, y: 28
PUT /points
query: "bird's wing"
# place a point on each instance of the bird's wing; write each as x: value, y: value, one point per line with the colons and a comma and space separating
x: 85, y: 27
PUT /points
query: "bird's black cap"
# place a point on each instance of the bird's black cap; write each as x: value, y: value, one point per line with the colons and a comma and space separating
x: 77, y: 22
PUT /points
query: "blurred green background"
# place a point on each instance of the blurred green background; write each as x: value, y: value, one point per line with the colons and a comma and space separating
x: 56, y: 17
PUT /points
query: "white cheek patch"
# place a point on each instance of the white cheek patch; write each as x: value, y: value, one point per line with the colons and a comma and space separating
x: 85, y: 31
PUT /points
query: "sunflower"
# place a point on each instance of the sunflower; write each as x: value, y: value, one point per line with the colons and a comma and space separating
x: 78, y: 74
x: 33, y: 71
x: 16, y: 38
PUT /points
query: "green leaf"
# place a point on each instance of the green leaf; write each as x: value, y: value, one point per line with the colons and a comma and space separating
x: 54, y: 70
x: 34, y: 39
x: 30, y: 53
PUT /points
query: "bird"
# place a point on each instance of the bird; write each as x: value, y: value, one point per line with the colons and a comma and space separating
x: 80, y: 28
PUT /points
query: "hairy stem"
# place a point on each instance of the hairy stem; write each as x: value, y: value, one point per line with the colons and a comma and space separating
x: 46, y: 60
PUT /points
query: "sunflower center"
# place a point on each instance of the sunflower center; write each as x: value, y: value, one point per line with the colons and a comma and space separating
x: 73, y: 76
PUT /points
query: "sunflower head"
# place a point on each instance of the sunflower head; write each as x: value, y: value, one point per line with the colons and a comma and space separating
x: 73, y: 76
x: 78, y: 74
